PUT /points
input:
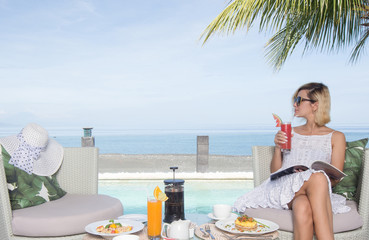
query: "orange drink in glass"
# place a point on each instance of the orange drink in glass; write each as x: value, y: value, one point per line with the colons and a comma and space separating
x: 154, y: 216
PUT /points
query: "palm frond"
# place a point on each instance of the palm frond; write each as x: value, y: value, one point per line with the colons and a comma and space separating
x: 325, y: 25
x: 358, y: 49
x: 282, y: 44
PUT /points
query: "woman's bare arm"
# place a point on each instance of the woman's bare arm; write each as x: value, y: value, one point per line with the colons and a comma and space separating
x: 338, y: 151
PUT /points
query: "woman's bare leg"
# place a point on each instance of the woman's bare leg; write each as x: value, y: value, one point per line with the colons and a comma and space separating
x: 317, y: 192
x: 302, y: 218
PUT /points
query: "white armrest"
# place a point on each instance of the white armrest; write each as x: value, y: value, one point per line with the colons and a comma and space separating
x: 261, y: 158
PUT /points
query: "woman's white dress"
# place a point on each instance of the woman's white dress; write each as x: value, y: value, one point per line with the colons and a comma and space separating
x: 278, y: 193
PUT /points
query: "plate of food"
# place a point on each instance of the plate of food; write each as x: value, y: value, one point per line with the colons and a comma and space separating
x: 111, y: 228
x: 135, y: 217
x: 247, y: 225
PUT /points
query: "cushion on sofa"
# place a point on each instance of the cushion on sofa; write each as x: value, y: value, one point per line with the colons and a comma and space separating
x: 27, y: 190
x: 355, y: 151
x: 341, y: 222
x: 66, y: 216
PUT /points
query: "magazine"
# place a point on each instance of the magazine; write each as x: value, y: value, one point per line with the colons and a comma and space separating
x: 329, y: 169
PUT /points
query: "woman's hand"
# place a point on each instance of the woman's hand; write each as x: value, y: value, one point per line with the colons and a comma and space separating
x: 280, y: 138
x: 334, y: 181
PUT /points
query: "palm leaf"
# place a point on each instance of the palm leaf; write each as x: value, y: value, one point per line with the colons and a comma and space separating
x: 359, y: 48
x: 325, y: 25
x: 357, y: 51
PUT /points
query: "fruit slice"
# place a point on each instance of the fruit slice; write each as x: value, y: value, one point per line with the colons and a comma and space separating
x: 159, y: 195
x: 162, y: 197
x: 156, y: 192
x: 277, y: 119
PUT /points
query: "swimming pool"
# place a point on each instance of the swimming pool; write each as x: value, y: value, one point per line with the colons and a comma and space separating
x: 199, y: 195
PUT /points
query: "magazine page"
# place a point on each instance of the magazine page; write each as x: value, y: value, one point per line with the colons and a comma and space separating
x: 329, y: 169
x: 290, y: 170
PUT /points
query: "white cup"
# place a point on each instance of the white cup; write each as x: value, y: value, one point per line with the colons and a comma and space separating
x: 221, y: 211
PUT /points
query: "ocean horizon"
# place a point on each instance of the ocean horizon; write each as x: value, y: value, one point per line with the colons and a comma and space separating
x: 177, y: 141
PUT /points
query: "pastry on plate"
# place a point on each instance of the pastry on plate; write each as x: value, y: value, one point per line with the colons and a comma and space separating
x: 246, y: 223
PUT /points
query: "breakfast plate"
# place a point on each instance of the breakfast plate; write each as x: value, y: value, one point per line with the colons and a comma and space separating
x: 233, y: 216
x: 91, y: 228
x: 135, y: 217
x: 264, y: 226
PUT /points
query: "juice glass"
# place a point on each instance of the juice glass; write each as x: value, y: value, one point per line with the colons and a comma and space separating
x: 286, y: 127
x: 154, y: 214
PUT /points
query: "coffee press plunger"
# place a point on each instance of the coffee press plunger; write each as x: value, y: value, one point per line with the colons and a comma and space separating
x: 174, y: 206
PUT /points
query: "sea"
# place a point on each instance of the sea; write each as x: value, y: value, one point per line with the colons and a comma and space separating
x: 164, y: 141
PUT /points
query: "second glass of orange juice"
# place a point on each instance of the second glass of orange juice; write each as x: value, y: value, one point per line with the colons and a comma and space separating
x: 154, y: 217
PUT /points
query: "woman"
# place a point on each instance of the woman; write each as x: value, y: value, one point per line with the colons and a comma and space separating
x: 307, y: 193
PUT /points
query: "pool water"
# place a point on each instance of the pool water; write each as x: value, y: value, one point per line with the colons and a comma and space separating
x: 199, y: 195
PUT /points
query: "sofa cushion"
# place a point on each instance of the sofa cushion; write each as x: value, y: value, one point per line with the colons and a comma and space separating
x: 26, y: 190
x: 341, y: 222
x: 353, y: 160
x: 66, y: 216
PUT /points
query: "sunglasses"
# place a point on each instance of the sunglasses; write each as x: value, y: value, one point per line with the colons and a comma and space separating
x: 298, y: 100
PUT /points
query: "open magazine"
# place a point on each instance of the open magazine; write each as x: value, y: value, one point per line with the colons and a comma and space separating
x: 329, y: 169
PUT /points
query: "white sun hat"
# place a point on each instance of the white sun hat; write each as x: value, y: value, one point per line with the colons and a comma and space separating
x: 33, y: 151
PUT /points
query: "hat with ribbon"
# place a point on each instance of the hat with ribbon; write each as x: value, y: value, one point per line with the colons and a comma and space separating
x: 33, y: 151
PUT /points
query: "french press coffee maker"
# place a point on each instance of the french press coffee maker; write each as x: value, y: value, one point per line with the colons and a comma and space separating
x: 174, y: 206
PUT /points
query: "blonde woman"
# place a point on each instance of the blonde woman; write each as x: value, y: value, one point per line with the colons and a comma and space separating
x: 307, y: 193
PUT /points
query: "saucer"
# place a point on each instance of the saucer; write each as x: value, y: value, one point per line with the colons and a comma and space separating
x: 135, y: 217
x: 210, y: 215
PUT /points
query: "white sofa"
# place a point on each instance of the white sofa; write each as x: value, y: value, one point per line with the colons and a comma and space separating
x: 262, y: 156
x: 78, y: 176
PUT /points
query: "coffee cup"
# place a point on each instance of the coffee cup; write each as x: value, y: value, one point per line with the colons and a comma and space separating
x: 221, y: 211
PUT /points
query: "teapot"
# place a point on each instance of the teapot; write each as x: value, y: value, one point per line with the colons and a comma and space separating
x: 177, y: 229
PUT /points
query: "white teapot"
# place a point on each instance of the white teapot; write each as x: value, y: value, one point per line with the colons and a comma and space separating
x: 177, y: 229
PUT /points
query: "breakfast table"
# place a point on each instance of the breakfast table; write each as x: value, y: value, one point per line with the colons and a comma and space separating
x: 200, y: 221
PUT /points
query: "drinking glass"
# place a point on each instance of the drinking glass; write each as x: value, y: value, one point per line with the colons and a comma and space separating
x: 286, y: 127
x: 154, y: 217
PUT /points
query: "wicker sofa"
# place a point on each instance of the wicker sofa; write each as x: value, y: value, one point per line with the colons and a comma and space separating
x: 262, y: 156
x: 78, y: 176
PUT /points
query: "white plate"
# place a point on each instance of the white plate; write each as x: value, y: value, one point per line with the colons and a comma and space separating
x: 135, y: 217
x: 91, y: 228
x: 229, y: 226
x: 211, y: 215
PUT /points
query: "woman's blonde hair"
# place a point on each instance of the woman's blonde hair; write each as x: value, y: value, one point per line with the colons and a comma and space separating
x: 320, y: 93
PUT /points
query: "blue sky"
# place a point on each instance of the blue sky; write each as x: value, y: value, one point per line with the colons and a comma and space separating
x: 140, y: 65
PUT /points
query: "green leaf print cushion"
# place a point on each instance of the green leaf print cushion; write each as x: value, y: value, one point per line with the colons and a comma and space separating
x: 27, y: 190
x: 353, y: 159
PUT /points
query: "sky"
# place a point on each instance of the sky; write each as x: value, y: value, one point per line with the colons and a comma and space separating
x: 142, y: 65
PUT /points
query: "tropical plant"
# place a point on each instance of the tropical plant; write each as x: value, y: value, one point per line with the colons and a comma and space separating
x: 325, y: 25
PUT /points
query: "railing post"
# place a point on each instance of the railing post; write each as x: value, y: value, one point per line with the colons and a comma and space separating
x: 202, y: 160
x: 87, y: 140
